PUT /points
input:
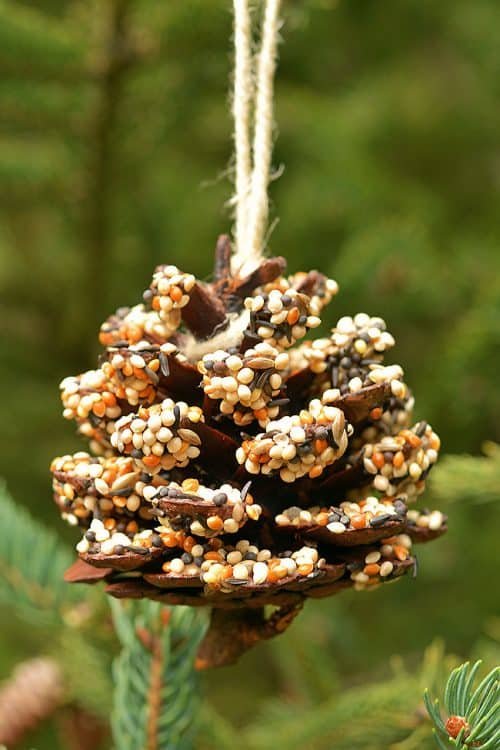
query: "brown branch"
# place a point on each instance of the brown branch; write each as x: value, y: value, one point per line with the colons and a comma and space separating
x: 40, y: 596
x: 153, y: 643
x: 115, y: 63
x: 80, y: 730
x: 154, y: 694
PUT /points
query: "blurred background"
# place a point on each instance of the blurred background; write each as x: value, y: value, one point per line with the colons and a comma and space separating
x: 115, y: 155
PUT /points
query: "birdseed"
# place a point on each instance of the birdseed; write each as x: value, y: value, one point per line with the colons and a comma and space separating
x: 152, y: 435
x: 245, y: 384
x: 296, y: 446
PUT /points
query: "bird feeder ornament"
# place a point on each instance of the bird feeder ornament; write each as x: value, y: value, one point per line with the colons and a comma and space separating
x: 235, y: 462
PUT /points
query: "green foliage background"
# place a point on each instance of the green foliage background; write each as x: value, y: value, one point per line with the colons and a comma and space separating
x: 115, y: 140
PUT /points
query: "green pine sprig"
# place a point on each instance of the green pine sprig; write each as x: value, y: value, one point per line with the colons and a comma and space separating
x: 156, y: 685
x: 473, y: 714
x: 32, y: 565
x: 45, y: 45
x: 471, y: 479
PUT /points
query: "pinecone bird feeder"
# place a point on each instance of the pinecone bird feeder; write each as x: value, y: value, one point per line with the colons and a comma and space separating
x: 234, y: 462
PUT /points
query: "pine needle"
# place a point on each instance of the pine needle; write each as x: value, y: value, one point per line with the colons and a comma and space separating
x: 32, y: 564
x: 156, y: 686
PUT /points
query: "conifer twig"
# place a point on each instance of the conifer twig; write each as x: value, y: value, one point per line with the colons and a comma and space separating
x: 32, y: 584
x: 473, y: 715
x: 156, y: 685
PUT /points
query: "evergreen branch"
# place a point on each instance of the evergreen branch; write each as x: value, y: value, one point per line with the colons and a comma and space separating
x: 373, y: 717
x: 473, y: 716
x: 441, y: 743
x: 218, y: 733
x: 308, y: 676
x: 419, y: 739
x: 29, y: 107
x: 468, y: 685
x: 468, y: 478
x: 370, y: 717
x: 86, y: 667
x: 485, y: 686
x: 450, y: 690
x: 32, y: 564
x: 31, y: 40
x: 433, y: 711
x: 33, y: 164
x: 156, y: 683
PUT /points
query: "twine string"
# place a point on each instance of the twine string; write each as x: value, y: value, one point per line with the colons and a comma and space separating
x: 253, y: 166
x: 242, y: 101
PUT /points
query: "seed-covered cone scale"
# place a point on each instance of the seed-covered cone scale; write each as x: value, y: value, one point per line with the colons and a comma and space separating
x: 235, y: 462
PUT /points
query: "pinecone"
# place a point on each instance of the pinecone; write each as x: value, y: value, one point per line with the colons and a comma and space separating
x: 234, y: 465
x: 34, y: 691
